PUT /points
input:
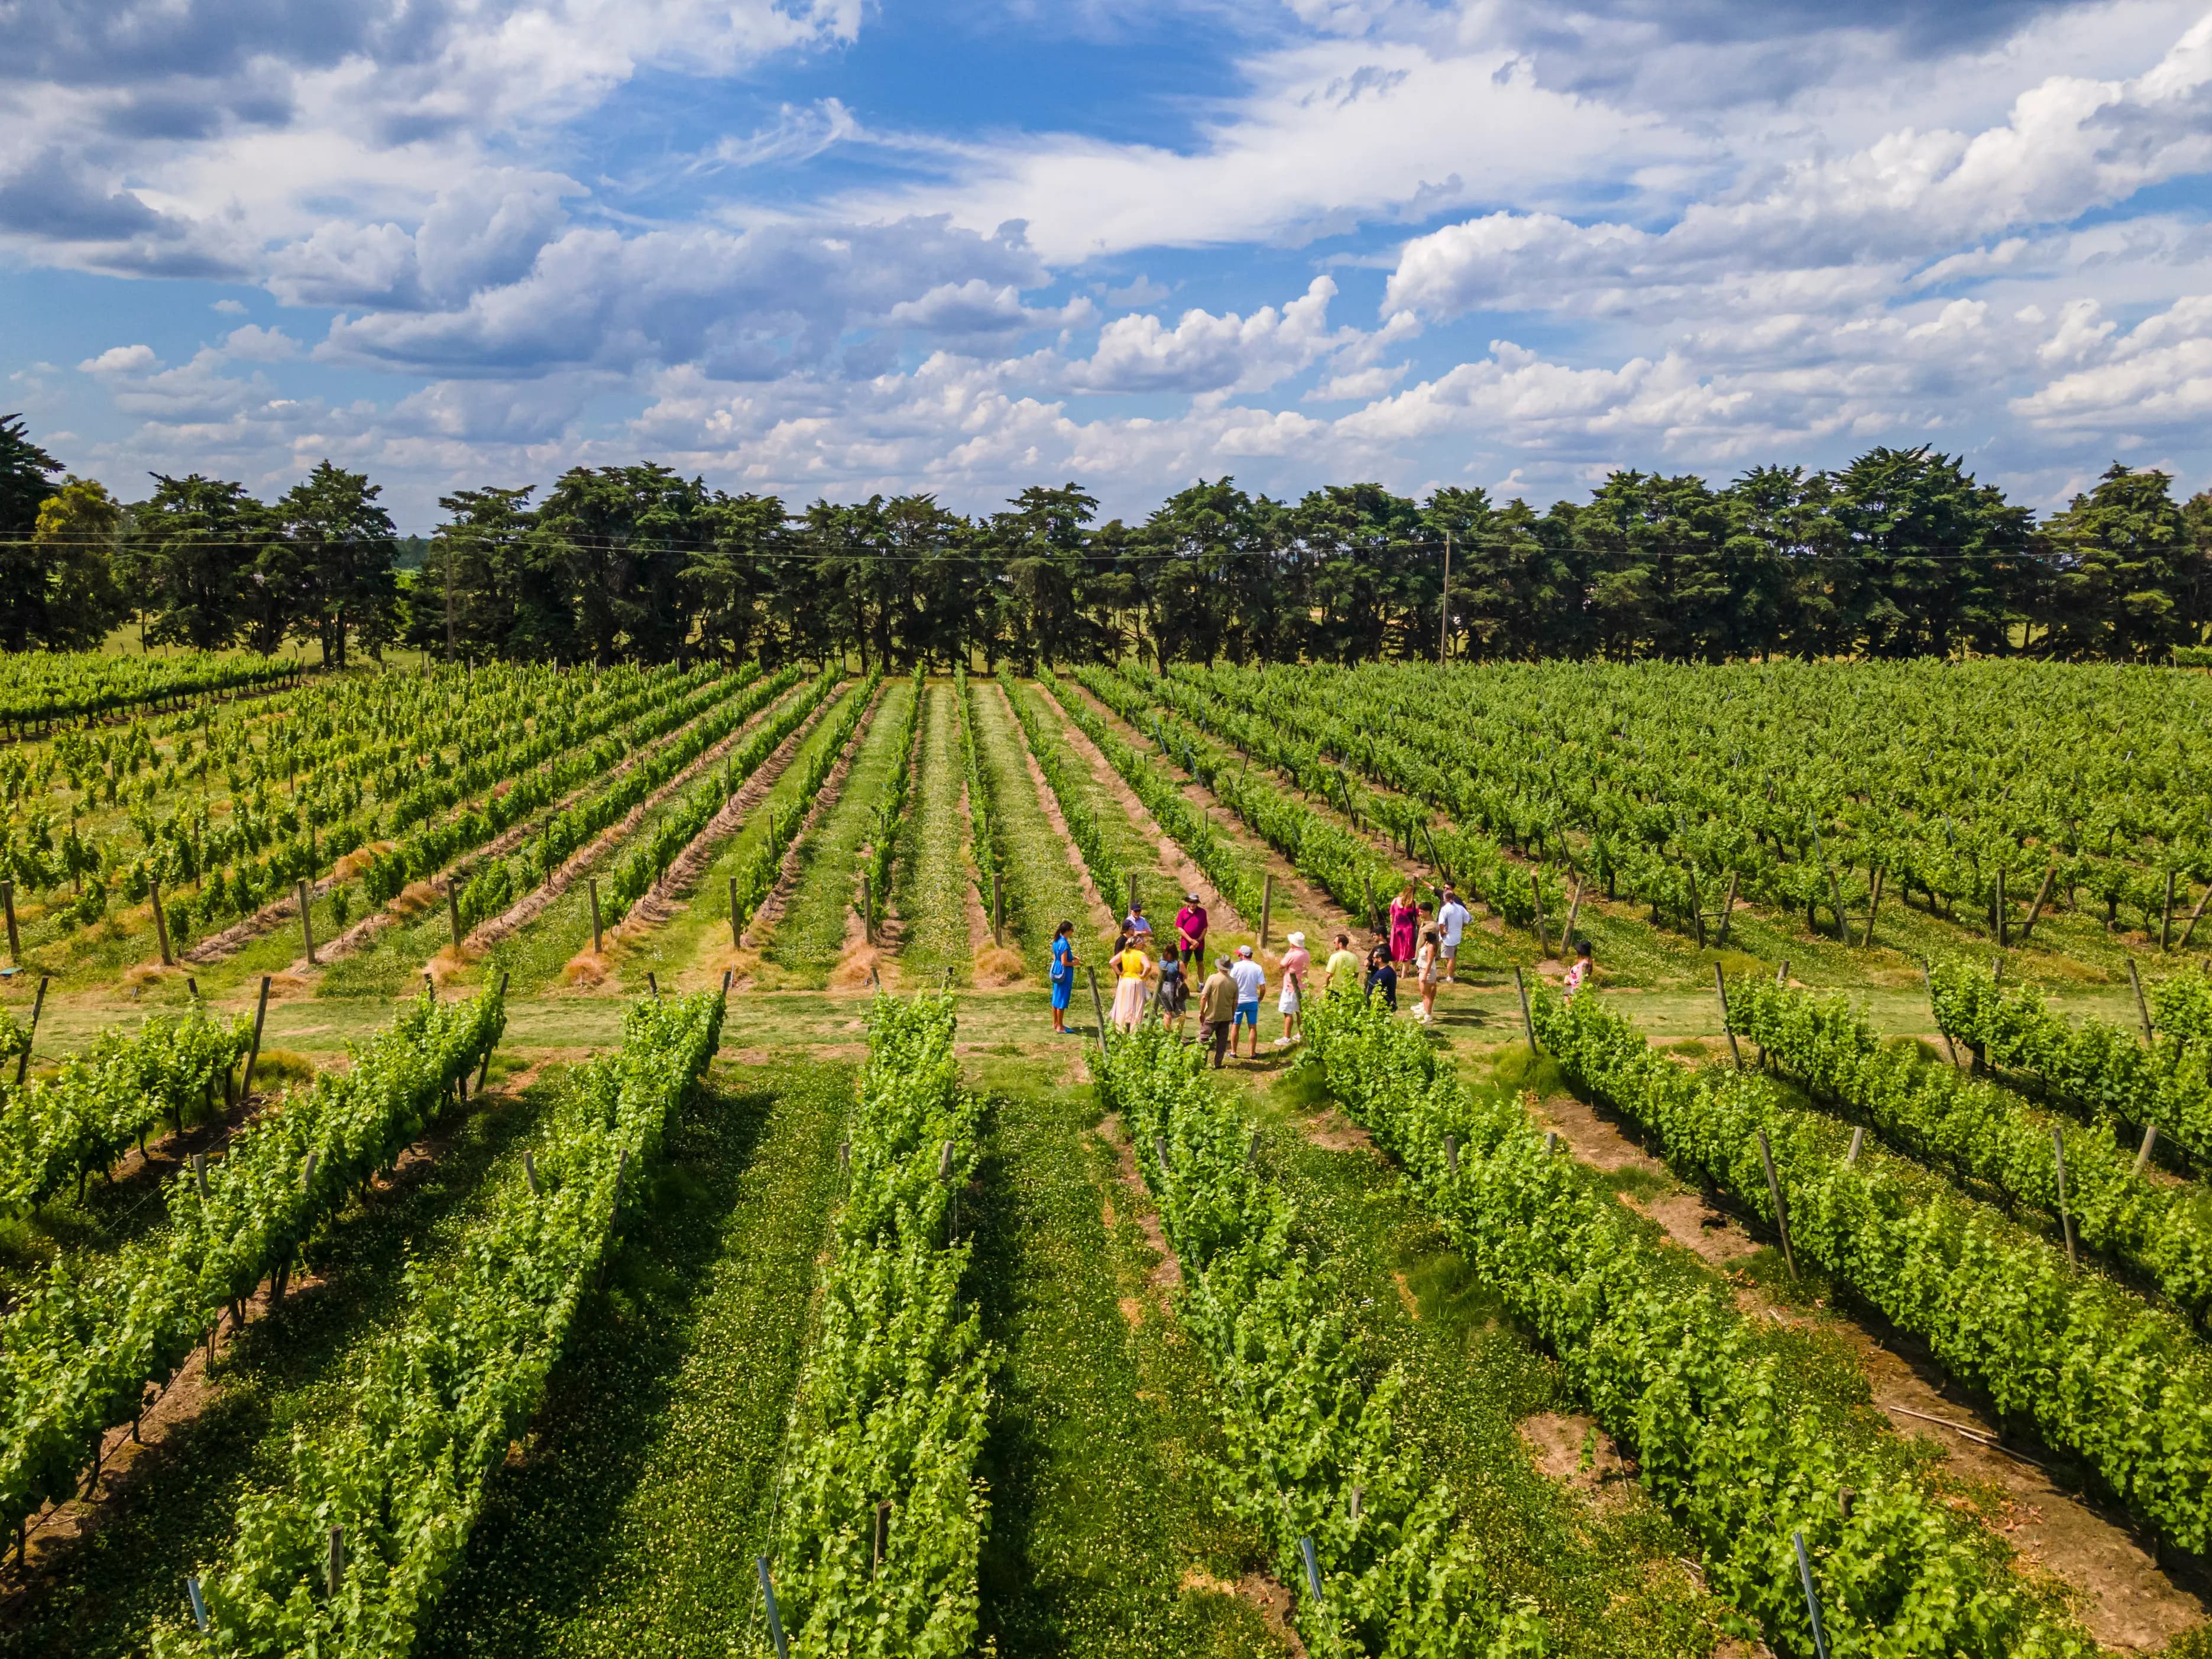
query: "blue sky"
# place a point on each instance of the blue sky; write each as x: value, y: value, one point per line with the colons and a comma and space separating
x: 824, y: 247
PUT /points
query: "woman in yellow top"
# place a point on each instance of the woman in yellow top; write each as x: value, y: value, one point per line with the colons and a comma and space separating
x: 1135, y: 967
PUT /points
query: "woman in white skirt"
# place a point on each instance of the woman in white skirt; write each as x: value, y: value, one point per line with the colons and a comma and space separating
x: 1428, y: 970
x: 1134, y: 968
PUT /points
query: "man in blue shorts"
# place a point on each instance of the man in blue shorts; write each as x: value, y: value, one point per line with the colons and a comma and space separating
x: 1251, y: 980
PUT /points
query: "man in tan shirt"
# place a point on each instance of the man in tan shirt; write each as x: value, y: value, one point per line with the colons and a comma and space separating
x: 1217, y: 1007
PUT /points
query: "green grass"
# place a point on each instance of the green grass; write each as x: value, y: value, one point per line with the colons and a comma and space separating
x: 810, y: 936
x: 1043, y: 887
x: 1102, y: 1538
x: 297, y: 1369
x: 1606, y: 1573
x: 930, y: 885
x: 631, y: 1526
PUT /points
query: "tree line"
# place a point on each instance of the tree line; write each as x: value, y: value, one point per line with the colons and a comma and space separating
x: 1901, y: 553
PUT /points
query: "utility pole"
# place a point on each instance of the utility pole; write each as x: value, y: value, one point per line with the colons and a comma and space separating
x: 1443, y: 607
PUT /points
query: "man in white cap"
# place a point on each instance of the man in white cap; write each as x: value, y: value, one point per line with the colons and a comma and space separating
x: 1251, y: 979
x: 1298, y: 963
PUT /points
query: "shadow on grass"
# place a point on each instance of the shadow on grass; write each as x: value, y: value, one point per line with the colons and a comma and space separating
x: 171, y: 1513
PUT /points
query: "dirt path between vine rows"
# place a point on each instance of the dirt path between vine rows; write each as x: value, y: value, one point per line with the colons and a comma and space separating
x: 2125, y: 1600
x: 1221, y: 915
x: 1055, y: 820
x: 787, y: 876
x: 663, y: 900
x: 538, y: 901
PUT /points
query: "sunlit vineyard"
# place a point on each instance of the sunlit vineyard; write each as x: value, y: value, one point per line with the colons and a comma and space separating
x: 504, y: 1158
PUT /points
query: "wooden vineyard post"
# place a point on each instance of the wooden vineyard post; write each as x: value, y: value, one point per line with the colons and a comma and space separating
x: 999, y: 906
x: 454, y: 910
x: 1574, y: 909
x: 1697, y: 910
x: 484, y: 1070
x: 1720, y: 990
x: 15, y: 942
x: 2042, y: 898
x: 2165, y: 916
x: 1727, y: 911
x: 867, y: 906
x: 160, y: 922
x: 1836, y: 904
x: 2187, y: 934
x: 1367, y: 888
x: 1874, y: 903
x: 1781, y: 1210
x: 1527, y: 1021
x: 1536, y: 902
x: 1132, y: 892
x: 1858, y: 1141
x: 2143, y: 1008
x: 2142, y: 1153
x: 253, y: 1050
x: 734, y: 940
x: 1267, y: 906
x: 306, y: 923
x: 38, y: 1007
x: 1098, y: 1008
x: 593, y: 884
x: 2065, y: 1216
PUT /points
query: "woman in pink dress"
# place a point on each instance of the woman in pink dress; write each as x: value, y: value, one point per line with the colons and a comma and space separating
x: 1405, y: 924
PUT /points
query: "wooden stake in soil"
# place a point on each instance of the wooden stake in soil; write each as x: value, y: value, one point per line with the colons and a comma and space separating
x: 1781, y: 1209
x: 1696, y: 911
x: 2065, y: 1216
x: 1858, y: 1141
x: 2165, y: 916
x: 1874, y: 903
x: 1367, y: 887
x: 23, y: 1059
x: 1720, y: 990
x: 15, y: 944
x: 2187, y: 934
x: 334, y: 1572
x: 1267, y: 906
x: 162, y: 922
x: 1132, y: 892
x: 2042, y: 898
x: 1536, y: 903
x: 2143, y: 1008
x: 1574, y: 909
x: 593, y: 885
x: 454, y: 910
x: 306, y: 924
x: 1999, y: 915
x: 253, y: 1050
x: 999, y: 906
x: 1727, y: 911
x: 1528, y: 1023
x: 2150, y: 1141
x: 1451, y: 1154
x: 734, y: 915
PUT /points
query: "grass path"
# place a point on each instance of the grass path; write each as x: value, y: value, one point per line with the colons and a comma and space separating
x: 929, y: 889
x: 298, y: 1368
x: 1103, y: 1541
x: 808, y: 938
x: 1046, y: 888
x: 631, y: 1526
x: 1603, y: 1564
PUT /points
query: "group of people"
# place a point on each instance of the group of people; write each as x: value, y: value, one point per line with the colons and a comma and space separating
x: 1228, y: 997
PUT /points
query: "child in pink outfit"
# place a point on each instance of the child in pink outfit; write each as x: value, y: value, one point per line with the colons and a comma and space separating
x: 1298, y: 963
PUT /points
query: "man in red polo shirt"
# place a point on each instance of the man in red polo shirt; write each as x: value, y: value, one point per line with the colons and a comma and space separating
x: 1190, y: 929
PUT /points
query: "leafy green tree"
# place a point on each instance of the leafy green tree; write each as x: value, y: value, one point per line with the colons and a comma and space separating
x: 624, y: 536
x: 732, y: 580
x: 1044, y: 610
x: 2122, y: 571
x: 190, y: 559
x: 1218, y: 583
x: 490, y: 588
x: 25, y: 576
x: 74, y: 543
x: 1943, y: 563
x: 338, y: 547
x: 1374, y: 582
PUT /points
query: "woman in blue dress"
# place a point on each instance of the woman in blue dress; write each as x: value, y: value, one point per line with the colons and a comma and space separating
x: 1063, y: 975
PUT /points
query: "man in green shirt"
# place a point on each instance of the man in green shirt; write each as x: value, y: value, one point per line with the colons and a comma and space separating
x: 1342, y: 962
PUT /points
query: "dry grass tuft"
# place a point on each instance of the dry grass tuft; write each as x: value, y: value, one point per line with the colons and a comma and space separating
x: 852, y: 973
x: 414, y: 899
x: 998, y: 966
x: 359, y: 860
x: 587, y: 968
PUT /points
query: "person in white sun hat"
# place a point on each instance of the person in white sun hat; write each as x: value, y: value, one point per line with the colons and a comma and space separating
x: 1298, y: 963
